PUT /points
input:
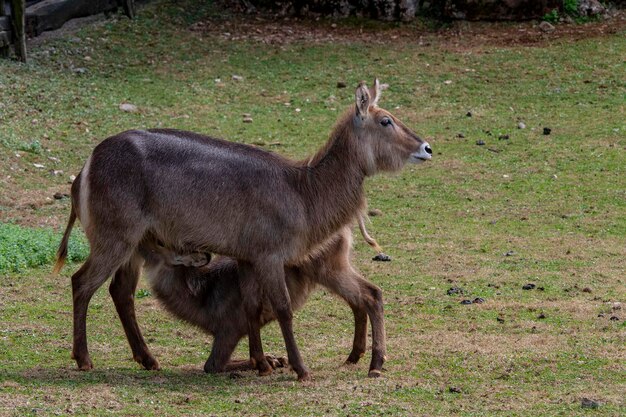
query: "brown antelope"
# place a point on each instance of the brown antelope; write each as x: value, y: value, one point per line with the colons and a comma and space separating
x: 193, y: 193
x: 208, y: 295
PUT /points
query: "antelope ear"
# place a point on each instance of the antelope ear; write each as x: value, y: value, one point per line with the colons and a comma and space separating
x: 363, y: 101
x: 375, y: 92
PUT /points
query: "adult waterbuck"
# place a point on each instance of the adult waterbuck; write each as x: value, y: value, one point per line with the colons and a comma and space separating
x: 193, y: 193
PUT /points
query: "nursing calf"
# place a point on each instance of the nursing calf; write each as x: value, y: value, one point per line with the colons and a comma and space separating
x: 209, y: 296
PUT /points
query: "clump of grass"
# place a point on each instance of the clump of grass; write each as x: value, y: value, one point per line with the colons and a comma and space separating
x: 22, y: 247
x: 552, y: 17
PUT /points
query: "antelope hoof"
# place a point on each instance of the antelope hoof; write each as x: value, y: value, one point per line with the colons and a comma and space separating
x: 305, y: 376
x: 263, y: 366
x: 354, y: 357
x: 374, y: 373
x: 83, y: 363
x: 149, y: 363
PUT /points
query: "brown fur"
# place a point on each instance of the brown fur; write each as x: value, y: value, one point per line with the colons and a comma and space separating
x: 194, y: 193
x: 210, y: 298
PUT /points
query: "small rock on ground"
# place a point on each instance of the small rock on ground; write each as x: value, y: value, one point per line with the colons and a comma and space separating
x: 60, y: 196
x: 547, y: 131
x: 381, y: 257
x: 528, y: 286
x: 546, y: 27
x: 455, y: 290
x: 375, y: 212
x: 128, y: 108
x: 589, y: 403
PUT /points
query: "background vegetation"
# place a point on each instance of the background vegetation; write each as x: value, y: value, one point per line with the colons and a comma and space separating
x: 499, y: 207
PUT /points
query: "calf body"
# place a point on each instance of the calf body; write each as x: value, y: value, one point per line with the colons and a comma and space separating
x: 193, y: 193
x: 209, y: 296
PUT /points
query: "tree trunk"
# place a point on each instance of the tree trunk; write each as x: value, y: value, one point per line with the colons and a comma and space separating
x: 18, y: 17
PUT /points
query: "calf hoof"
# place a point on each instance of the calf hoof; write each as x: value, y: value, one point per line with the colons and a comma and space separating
x: 275, y: 362
x: 374, y: 373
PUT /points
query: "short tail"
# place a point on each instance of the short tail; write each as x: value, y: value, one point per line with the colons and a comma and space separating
x: 62, y: 252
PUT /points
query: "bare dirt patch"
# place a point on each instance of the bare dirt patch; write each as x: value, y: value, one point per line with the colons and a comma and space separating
x: 457, y: 35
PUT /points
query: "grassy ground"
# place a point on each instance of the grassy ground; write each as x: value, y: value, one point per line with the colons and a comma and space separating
x: 543, y: 209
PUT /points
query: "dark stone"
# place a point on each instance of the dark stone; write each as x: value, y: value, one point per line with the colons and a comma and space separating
x: 541, y: 316
x: 587, y: 290
x: 455, y: 291
x: 468, y: 114
x: 480, y: 142
x: 61, y: 196
x: 460, y: 135
x: 547, y: 131
x: 478, y: 300
x: 614, y: 318
x: 381, y: 257
x: 509, y: 253
x: 503, y: 137
x: 589, y: 403
x: 454, y: 390
x: 466, y: 302
x: 375, y: 212
x: 528, y: 286
x: 500, y: 319
x: 341, y: 84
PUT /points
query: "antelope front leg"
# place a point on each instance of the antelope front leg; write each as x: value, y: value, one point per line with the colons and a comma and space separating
x: 252, y: 301
x: 272, y: 275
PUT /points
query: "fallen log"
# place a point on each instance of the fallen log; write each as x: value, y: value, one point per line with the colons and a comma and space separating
x: 52, y: 14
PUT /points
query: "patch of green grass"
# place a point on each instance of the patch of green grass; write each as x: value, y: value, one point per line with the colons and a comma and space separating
x: 22, y: 248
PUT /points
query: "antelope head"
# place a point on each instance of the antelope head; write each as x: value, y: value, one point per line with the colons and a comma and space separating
x: 387, y: 143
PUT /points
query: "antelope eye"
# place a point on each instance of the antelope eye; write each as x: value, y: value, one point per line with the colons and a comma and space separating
x: 385, y: 121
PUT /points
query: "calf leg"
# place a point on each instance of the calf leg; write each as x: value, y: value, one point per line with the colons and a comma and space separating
x: 360, y: 334
x: 224, y: 345
x: 363, y: 297
x: 122, y: 290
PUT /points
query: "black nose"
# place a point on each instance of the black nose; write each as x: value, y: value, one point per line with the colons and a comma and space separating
x: 428, y: 150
